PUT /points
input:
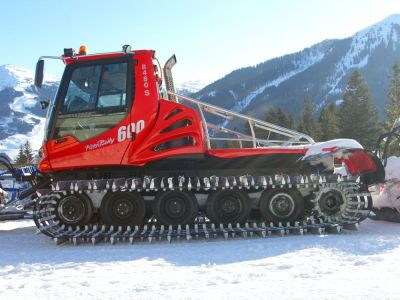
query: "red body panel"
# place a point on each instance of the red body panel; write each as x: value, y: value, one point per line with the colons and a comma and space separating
x: 143, y: 152
x: 359, y: 162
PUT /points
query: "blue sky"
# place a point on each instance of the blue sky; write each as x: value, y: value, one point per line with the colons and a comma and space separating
x: 210, y: 37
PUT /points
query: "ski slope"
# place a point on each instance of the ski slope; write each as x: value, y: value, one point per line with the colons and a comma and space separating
x: 354, y: 265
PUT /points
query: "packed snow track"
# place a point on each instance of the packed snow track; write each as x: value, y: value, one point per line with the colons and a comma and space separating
x: 361, y: 264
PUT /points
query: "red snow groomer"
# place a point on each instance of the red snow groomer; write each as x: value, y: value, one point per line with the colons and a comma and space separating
x: 126, y: 158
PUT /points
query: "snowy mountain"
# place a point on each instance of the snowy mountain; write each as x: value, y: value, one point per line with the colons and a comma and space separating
x: 320, y: 71
x: 21, y: 117
x: 189, y: 87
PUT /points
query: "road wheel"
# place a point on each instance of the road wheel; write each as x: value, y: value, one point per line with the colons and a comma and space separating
x: 228, y: 206
x: 175, y: 208
x: 123, y: 208
x: 281, y: 205
x: 74, y: 210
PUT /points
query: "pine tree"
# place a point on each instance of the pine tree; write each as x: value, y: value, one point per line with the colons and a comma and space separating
x: 281, y: 118
x: 28, y: 153
x: 307, y: 124
x: 393, y: 106
x: 278, y: 117
x: 21, y: 158
x: 271, y: 116
x: 291, y: 124
x: 328, y: 123
x: 358, y: 117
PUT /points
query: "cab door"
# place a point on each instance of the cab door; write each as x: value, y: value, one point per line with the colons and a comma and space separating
x: 93, y: 103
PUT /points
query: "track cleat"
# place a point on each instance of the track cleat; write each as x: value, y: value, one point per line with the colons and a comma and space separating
x: 264, y: 182
x: 143, y: 233
x: 162, y: 185
x: 205, y: 231
x: 181, y: 181
x: 214, y: 182
x: 178, y: 232
x: 196, y: 231
x: 134, y: 235
x: 152, y: 185
x: 289, y: 181
x: 231, y: 230
x: 252, y: 182
x: 283, y: 181
x: 223, y: 230
x: 133, y: 185
x: 161, y: 232
x: 187, y: 231
x: 244, y: 182
x: 169, y: 234
x: 113, y: 237
x: 206, y: 181
x: 248, y: 229
x: 151, y: 234
x: 241, y: 230
x: 234, y: 182
x: 198, y: 184
x: 146, y: 183
x: 171, y: 183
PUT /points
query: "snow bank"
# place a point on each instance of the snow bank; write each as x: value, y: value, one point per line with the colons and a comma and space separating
x: 392, y: 168
x: 388, y: 195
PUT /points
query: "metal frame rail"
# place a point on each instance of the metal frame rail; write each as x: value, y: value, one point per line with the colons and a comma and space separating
x: 289, y: 137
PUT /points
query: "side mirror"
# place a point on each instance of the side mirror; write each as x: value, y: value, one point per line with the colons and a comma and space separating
x: 39, y: 73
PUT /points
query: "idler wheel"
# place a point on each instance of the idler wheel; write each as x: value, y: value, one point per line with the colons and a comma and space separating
x: 123, y: 209
x: 75, y: 210
x: 330, y: 202
x: 281, y: 205
x: 175, y: 208
x: 228, y: 206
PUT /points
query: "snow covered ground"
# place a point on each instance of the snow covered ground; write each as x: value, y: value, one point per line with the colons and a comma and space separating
x: 354, y: 265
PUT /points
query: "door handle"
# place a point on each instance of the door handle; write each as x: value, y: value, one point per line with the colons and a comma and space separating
x: 61, y: 140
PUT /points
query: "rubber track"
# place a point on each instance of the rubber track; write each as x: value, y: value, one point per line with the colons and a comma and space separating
x: 358, y: 205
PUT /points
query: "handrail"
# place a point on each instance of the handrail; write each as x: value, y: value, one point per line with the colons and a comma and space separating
x: 295, y: 138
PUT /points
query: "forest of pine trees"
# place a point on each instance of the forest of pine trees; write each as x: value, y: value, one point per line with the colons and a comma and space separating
x: 355, y: 118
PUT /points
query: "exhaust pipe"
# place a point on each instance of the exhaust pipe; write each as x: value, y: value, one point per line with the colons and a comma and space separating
x: 169, y: 82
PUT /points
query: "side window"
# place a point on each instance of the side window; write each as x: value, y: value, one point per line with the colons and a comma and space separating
x: 95, y: 101
x: 113, y: 86
x: 82, y: 90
